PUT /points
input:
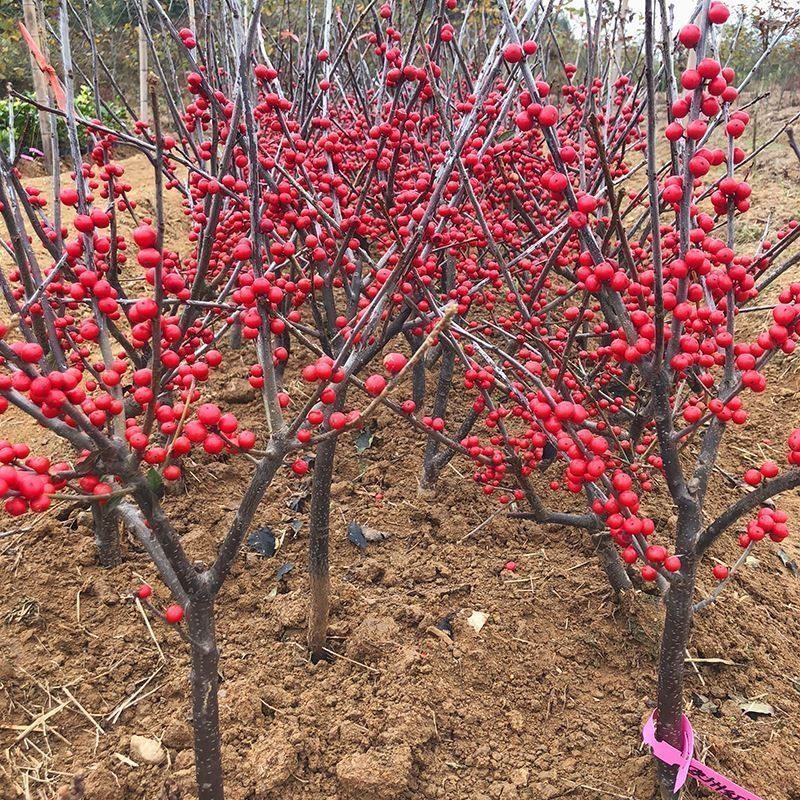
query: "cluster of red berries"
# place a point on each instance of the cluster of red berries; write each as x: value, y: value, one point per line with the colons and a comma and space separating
x: 544, y: 398
x: 26, y: 481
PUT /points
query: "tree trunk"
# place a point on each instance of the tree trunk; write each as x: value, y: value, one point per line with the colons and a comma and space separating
x: 674, y: 639
x: 144, y: 106
x: 205, y: 705
x: 12, y: 140
x: 106, y: 536
x: 619, y: 44
x: 236, y: 336
x: 417, y: 372
x: 430, y: 469
x: 319, y: 522
x: 32, y: 17
x: 612, y: 563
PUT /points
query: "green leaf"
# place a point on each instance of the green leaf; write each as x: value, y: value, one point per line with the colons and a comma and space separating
x: 154, y: 480
x: 364, y: 440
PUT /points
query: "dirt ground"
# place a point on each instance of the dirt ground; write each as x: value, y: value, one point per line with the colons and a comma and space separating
x: 546, y: 701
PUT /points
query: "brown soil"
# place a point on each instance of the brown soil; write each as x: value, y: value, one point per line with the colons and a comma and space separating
x: 546, y: 701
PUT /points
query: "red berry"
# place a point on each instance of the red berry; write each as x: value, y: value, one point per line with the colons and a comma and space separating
x: 83, y: 223
x: 337, y: 420
x: 213, y: 444
x: 752, y: 477
x: 656, y: 553
x: 769, y: 469
x: 548, y: 117
x: 69, y: 196
x: 375, y: 384
x: 31, y: 352
x: 513, y: 53
x: 394, y: 362
x: 208, y: 414
x: 720, y: 572
x: 718, y: 13
x: 246, y: 440
x: 172, y: 472
x: 689, y: 35
x: 300, y: 467
x: 648, y: 573
x: 144, y: 591
x: 145, y: 236
x: 243, y: 250
x: 173, y: 614
x: 672, y: 563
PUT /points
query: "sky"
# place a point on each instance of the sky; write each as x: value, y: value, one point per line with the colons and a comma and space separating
x: 683, y: 9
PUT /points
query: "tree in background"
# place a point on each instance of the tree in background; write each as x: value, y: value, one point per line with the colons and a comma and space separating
x: 745, y: 43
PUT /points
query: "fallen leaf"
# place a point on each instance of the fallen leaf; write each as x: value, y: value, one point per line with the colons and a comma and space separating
x: 355, y: 534
x: 704, y: 703
x: 295, y: 525
x: 262, y: 541
x: 787, y: 562
x: 477, y: 619
x: 445, y: 624
x: 755, y: 708
x: 364, y: 440
x: 373, y: 534
x: 297, y: 502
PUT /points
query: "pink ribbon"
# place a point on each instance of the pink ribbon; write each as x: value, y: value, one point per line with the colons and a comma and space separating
x: 689, y: 767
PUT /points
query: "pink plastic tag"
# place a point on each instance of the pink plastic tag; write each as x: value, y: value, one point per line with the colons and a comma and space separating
x: 689, y: 767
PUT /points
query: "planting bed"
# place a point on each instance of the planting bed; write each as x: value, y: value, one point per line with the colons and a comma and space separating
x: 546, y: 701
x: 398, y: 296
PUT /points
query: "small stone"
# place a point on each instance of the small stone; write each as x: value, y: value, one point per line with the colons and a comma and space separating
x: 85, y: 521
x: 183, y: 762
x: 271, y: 762
x: 101, y: 782
x: 178, y: 735
x: 238, y: 391
x: 516, y: 721
x: 374, y: 638
x: 503, y: 790
x: 7, y: 671
x: 378, y: 774
x: 477, y: 619
x: 86, y: 552
x: 520, y: 776
x: 147, y: 751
